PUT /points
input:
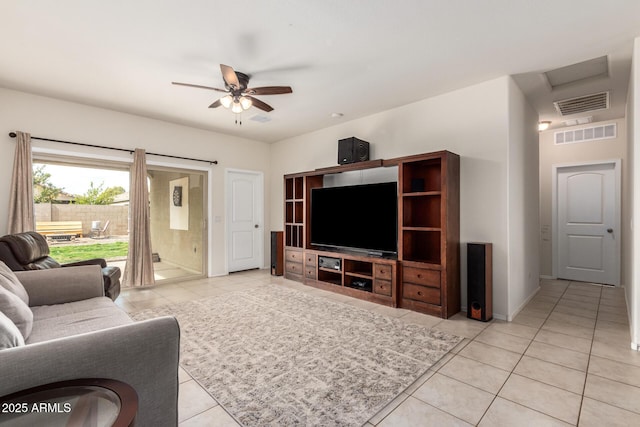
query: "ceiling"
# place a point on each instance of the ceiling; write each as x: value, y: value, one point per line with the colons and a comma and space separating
x: 353, y: 57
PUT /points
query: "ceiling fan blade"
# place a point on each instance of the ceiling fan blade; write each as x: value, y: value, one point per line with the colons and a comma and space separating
x: 269, y: 90
x: 215, y: 104
x: 260, y: 105
x: 198, y: 86
x: 229, y: 76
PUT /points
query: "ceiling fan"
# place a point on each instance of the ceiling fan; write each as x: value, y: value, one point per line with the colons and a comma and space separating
x: 240, y: 97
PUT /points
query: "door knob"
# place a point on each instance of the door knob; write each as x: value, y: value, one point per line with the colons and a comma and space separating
x: 255, y: 226
x: 609, y: 230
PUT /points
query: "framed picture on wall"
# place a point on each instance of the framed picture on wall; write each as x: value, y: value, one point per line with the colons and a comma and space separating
x: 179, y: 204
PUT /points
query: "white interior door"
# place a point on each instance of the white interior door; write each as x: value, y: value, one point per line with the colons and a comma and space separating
x: 244, y: 220
x: 588, y: 218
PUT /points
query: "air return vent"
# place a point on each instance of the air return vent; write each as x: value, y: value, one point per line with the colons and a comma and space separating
x: 583, y: 104
x: 586, y: 134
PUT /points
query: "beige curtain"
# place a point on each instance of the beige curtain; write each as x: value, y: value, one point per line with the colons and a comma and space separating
x: 139, y: 268
x: 21, y: 215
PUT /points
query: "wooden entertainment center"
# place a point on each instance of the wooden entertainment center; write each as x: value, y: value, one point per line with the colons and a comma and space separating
x: 425, y: 276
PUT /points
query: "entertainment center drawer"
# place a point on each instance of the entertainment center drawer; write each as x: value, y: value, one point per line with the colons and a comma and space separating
x: 309, y: 259
x: 382, y: 287
x: 293, y: 267
x: 383, y: 271
x: 421, y: 293
x: 421, y: 276
x: 295, y: 256
x: 310, y: 272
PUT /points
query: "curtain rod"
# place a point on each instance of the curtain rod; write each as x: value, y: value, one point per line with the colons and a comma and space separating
x: 214, y: 162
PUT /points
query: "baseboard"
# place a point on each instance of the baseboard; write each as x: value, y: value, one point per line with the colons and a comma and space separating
x: 635, y: 346
x: 544, y: 276
x: 218, y: 274
x: 523, y: 305
x: 495, y: 315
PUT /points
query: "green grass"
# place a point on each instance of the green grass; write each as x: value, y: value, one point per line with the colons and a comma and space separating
x: 72, y: 253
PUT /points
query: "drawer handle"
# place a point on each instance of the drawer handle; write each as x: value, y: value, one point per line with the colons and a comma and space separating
x: 419, y: 276
x: 419, y: 293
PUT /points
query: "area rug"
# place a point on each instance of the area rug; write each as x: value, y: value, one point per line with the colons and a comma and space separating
x: 276, y: 356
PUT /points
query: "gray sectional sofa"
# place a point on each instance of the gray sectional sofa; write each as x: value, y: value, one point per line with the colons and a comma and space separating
x: 57, y: 325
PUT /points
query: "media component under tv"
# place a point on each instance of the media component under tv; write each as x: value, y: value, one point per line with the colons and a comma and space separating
x: 356, y: 217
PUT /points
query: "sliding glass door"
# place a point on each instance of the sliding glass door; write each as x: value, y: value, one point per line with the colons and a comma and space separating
x: 94, y: 195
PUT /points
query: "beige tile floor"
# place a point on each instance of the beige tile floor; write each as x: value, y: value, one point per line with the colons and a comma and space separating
x: 564, y: 360
x: 162, y: 271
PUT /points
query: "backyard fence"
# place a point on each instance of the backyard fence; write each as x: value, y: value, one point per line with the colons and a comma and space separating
x: 87, y: 214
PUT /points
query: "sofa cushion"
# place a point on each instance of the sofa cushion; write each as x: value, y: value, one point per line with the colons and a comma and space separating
x: 10, y: 336
x: 43, y: 312
x: 16, y: 310
x: 10, y: 282
x: 63, y: 320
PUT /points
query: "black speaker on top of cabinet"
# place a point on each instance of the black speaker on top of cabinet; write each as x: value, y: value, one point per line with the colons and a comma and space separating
x: 479, y: 281
x: 277, y: 253
x: 352, y: 150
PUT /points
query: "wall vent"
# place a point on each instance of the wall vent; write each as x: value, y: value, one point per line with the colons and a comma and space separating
x: 586, y: 134
x: 583, y: 104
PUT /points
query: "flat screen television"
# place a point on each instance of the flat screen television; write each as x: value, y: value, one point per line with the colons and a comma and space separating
x: 356, y: 217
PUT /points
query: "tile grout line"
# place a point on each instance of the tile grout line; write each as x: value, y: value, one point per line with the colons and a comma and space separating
x: 586, y: 376
x: 519, y: 360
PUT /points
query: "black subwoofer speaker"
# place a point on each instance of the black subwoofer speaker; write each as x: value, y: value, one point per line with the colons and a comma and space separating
x: 479, y: 281
x: 352, y: 150
x: 277, y: 253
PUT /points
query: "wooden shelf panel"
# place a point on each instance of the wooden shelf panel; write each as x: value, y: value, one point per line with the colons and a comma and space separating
x: 422, y: 176
x: 360, y: 275
x: 293, y: 235
x: 421, y: 246
x: 330, y: 276
x: 358, y: 268
x: 421, y: 229
x: 330, y: 270
x: 298, y: 212
x: 368, y: 287
x: 294, y: 188
x: 422, y: 193
x: 351, y: 167
x: 422, y: 211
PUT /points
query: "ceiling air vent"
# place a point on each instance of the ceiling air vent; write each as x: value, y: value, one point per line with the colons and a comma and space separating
x: 583, y: 104
x: 260, y: 118
x: 586, y: 134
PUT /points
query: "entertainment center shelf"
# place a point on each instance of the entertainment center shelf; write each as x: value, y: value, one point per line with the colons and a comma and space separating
x: 425, y: 274
x: 372, y: 279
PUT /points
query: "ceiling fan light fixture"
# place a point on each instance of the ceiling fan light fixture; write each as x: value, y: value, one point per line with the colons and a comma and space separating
x: 236, y: 107
x: 245, y: 102
x: 226, y: 101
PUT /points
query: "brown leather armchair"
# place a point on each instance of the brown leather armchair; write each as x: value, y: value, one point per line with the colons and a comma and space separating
x: 30, y: 251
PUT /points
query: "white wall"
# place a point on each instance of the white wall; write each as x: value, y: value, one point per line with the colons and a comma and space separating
x: 550, y: 154
x: 523, y: 193
x: 472, y: 122
x: 633, y: 269
x: 56, y: 119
